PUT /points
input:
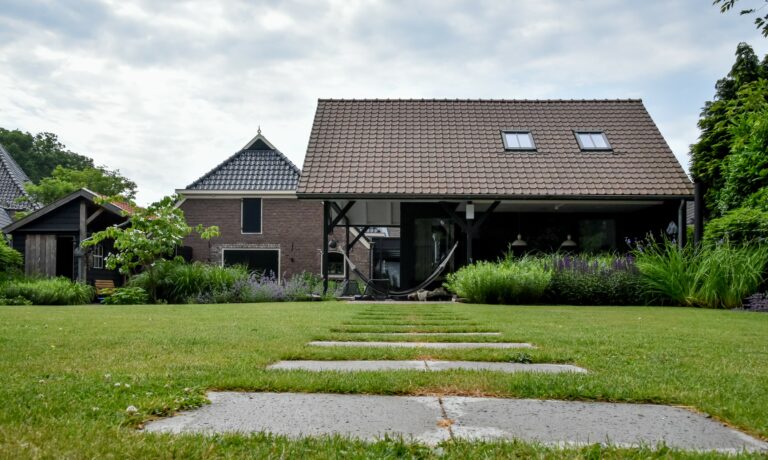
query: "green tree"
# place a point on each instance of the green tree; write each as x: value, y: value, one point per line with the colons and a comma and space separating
x: 736, y: 94
x: 745, y: 170
x: 40, y: 154
x: 64, y: 181
x: 151, y: 234
x: 761, y: 20
x: 11, y: 260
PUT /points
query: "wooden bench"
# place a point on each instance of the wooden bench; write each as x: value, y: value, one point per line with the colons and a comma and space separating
x: 104, y: 286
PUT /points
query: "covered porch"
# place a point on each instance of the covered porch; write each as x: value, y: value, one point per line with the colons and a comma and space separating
x: 486, y: 229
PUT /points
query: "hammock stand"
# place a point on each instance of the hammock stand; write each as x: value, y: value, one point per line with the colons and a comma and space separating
x: 432, y: 277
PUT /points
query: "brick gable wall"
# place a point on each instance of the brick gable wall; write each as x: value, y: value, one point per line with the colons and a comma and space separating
x: 293, y: 226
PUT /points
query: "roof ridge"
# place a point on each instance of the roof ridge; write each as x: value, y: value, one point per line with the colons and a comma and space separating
x: 627, y: 100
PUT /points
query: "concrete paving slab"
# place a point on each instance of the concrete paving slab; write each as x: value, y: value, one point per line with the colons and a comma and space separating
x: 297, y: 415
x: 384, y: 365
x: 458, y: 334
x: 323, y: 343
x: 422, y: 419
x: 504, y: 367
x: 576, y: 423
x: 362, y: 365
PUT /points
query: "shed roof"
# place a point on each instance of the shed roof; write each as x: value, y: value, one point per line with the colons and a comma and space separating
x: 409, y: 148
x: 259, y: 166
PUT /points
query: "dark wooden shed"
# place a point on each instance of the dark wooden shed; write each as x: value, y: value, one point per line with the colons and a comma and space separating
x: 50, y: 237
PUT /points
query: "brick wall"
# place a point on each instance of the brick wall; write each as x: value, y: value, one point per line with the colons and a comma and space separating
x: 293, y: 226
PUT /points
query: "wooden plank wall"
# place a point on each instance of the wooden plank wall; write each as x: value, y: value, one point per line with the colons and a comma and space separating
x: 40, y: 255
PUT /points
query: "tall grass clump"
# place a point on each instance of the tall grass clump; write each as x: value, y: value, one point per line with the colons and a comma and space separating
x: 48, y: 291
x: 713, y: 276
x: 508, y: 281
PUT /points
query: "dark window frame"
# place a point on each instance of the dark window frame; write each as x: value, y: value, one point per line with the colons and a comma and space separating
x: 591, y: 132
x: 343, y: 273
x: 242, y: 217
x: 508, y: 148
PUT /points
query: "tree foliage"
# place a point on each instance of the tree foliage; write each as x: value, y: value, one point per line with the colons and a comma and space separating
x: 40, y: 154
x: 761, y: 20
x: 64, y: 181
x: 741, y: 92
x: 11, y: 260
x: 151, y: 234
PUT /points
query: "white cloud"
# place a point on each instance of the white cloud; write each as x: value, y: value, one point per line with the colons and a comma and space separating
x: 166, y: 90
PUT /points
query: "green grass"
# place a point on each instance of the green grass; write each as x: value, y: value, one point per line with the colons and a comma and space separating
x: 60, y: 367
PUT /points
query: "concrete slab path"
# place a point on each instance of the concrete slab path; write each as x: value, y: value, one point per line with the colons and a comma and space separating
x: 323, y: 343
x: 458, y: 334
x: 432, y: 419
x: 383, y: 365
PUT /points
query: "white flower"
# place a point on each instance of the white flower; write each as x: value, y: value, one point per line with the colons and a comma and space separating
x: 107, y: 376
x: 117, y: 384
x: 131, y: 409
x: 127, y: 386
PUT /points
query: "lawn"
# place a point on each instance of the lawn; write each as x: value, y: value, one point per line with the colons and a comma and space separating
x: 69, y: 373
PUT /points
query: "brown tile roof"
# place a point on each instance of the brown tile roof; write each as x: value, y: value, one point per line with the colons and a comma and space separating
x: 444, y: 148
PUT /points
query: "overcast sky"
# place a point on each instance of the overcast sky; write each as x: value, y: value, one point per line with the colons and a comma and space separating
x: 165, y: 90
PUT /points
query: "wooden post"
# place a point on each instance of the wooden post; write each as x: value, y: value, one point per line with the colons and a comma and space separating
x: 682, y: 224
x: 83, y: 228
x: 698, y: 213
x: 324, y: 247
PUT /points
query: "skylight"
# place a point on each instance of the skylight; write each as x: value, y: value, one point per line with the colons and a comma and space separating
x: 592, y: 140
x: 518, y: 140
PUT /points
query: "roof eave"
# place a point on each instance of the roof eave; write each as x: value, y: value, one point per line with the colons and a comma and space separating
x: 468, y: 197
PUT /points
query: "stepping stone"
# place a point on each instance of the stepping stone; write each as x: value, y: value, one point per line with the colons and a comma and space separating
x: 352, y: 366
x: 321, y: 343
x: 297, y: 415
x: 431, y: 420
x: 429, y: 333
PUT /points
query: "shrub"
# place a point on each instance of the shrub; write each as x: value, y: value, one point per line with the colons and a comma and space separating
x: 49, y: 291
x: 717, y: 276
x: 595, y: 280
x: 126, y: 296
x: 14, y: 301
x: 509, y: 281
x: 180, y: 282
x: 11, y: 260
x: 742, y: 225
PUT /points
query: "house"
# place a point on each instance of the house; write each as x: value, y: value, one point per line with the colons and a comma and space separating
x: 251, y: 197
x: 49, y: 238
x: 13, y: 197
x: 487, y: 176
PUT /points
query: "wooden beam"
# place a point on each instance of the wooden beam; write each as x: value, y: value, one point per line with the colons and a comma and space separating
x: 485, y: 215
x: 361, y: 233
x: 93, y: 216
x: 456, y: 218
x: 341, y: 214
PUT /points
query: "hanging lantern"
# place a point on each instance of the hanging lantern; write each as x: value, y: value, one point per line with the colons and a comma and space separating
x: 568, y: 243
x: 519, y: 243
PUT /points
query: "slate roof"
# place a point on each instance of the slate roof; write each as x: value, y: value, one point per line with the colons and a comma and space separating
x: 257, y: 167
x: 12, y: 179
x: 5, y: 218
x: 454, y: 148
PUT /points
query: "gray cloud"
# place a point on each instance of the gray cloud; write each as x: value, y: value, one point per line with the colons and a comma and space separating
x: 164, y: 90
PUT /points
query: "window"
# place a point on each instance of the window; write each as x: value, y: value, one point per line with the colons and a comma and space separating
x: 250, y: 221
x: 97, y: 256
x: 518, y: 140
x: 595, y: 140
x: 261, y: 261
x: 596, y: 235
x: 336, y: 265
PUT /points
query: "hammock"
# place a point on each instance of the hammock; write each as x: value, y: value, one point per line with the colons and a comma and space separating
x: 432, y: 277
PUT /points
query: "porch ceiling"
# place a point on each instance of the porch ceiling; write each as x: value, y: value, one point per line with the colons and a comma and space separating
x: 386, y: 213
